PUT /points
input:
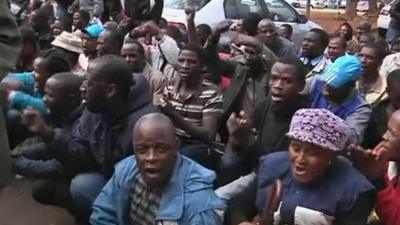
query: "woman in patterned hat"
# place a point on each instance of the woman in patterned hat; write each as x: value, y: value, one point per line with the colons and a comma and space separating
x: 309, y: 184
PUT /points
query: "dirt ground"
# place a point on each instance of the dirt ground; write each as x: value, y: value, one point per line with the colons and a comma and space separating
x: 17, y: 207
x: 330, y: 19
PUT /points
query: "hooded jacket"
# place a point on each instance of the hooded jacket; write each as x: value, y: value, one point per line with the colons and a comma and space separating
x: 187, y: 199
x: 98, y: 143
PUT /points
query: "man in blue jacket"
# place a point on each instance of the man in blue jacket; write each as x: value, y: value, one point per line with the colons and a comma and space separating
x: 158, y: 185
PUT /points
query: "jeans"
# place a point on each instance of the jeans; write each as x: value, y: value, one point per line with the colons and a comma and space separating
x: 84, y: 188
x: 392, y: 32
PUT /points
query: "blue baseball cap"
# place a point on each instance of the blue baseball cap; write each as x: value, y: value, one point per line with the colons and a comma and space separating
x: 344, y: 70
x: 94, y: 30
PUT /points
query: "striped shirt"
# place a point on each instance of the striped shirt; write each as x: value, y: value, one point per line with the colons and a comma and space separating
x: 206, y: 101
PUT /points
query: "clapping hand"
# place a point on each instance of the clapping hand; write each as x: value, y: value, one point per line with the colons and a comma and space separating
x: 35, y: 122
x: 239, y: 125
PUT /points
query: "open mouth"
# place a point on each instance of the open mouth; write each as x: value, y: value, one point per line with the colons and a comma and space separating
x: 152, y: 171
x: 276, y: 97
x: 299, y: 170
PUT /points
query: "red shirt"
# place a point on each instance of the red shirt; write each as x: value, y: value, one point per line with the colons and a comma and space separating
x: 388, y: 202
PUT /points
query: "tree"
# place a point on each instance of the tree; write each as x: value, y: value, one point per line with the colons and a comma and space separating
x: 351, y: 9
x: 372, y: 8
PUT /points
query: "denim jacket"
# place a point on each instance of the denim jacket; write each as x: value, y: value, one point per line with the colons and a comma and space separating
x: 188, y: 198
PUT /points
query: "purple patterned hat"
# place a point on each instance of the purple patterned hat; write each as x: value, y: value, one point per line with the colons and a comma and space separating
x: 319, y: 127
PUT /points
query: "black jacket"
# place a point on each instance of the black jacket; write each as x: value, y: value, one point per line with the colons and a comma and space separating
x: 97, y: 143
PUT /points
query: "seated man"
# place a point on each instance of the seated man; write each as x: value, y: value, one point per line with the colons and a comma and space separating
x: 270, y: 120
x: 371, y: 85
x: 63, y: 100
x: 381, y: 112
x: 26, y: 89
x: 114, y: 101
x: 158, y: 185
x: 134, y: 54
x: 335, y: 91
x: 268, y: 35
x: 194, y: 106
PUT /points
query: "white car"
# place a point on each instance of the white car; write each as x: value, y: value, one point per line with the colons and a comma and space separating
x: 314, y: 3
x: 384, y: 17
x: 214, y: 11
x: 333, y: 4
x: 363, y: 5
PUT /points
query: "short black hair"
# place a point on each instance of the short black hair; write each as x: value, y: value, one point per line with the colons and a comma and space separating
x: 115, y: 36
x: 196, y: 49
x: 114, y: 69
x: 66, y: 22
x: 393, y: 77
x: 42, y: 16
x: 55, y: 63
x: 323, y: 36
x: 205, y: 28
x: 343, y: 41
x: 138, y: 44
x: 84, y: 15
x: 379, y: 50
x: 250, y: 23
x: 289, y: 27
x: 70, y: 82
x: 300, y: 68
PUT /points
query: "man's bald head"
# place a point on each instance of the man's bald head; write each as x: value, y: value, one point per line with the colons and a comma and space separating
x: 155, y: 148
x: 155, y: 121
x: 266, y: 22
x: 267, y: 34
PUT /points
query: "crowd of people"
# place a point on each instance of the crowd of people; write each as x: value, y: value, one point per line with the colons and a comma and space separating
x: 149, y: 123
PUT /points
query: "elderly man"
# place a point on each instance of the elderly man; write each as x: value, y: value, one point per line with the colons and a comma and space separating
x: 268, y: 35
x: 158, y: 185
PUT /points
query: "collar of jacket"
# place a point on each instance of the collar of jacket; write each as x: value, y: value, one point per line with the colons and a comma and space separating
x: 172, y: 200
x: 320, y: 67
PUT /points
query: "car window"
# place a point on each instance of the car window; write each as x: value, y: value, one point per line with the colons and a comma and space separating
x: 280, y: 11
x: 181, y: 4
x: 237, y: 9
